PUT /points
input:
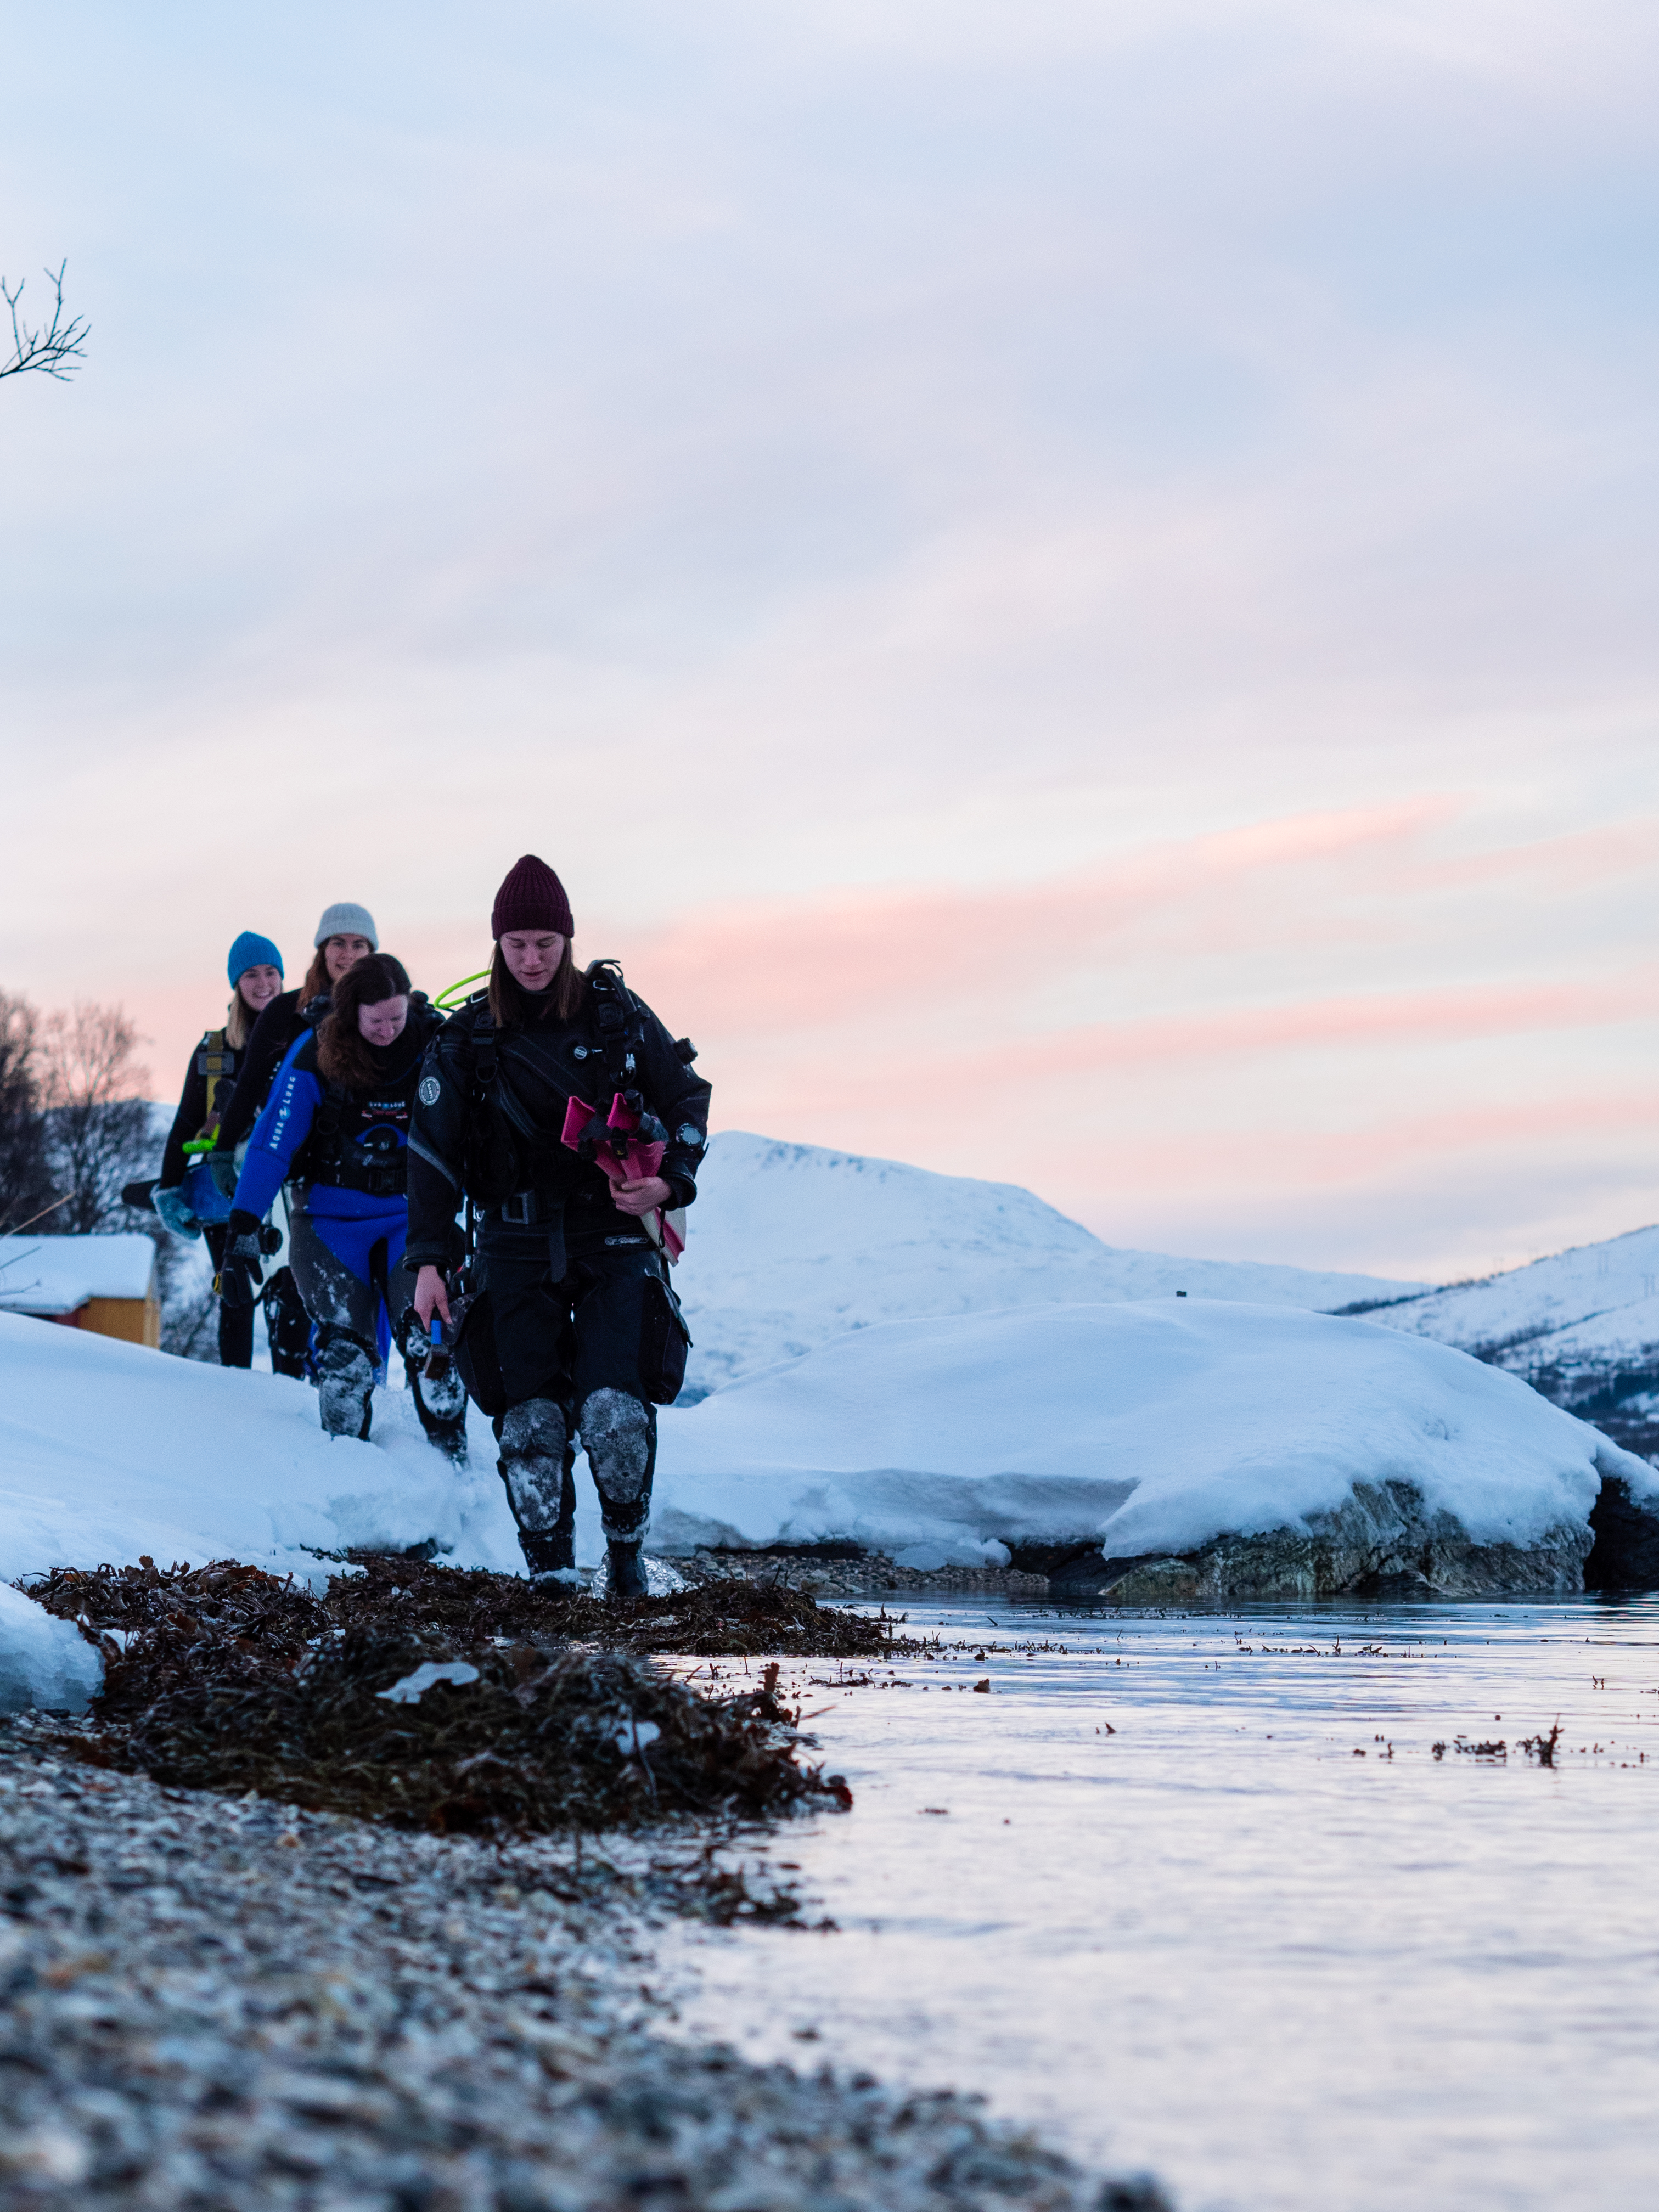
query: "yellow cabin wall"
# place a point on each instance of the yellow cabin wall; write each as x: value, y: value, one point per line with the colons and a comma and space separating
x: 135, y: 1320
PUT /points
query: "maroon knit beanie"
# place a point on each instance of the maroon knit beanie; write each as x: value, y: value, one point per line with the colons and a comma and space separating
x: 532, y: 898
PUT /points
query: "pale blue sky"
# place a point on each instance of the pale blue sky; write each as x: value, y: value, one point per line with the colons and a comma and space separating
x: 799, y: 466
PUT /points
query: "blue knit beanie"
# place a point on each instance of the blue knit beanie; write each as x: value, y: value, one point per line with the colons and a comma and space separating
x: 252, y: 951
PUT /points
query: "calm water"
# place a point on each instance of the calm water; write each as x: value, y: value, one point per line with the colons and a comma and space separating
x: 1217, y: 1944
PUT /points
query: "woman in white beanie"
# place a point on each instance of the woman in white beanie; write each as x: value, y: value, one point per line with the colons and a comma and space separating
x: 345, y: 933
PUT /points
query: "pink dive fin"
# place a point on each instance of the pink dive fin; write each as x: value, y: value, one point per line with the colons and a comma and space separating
x: 639, y: 1162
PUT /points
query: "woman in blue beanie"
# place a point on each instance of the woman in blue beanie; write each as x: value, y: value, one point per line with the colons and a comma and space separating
x: 255, y: 968
x: 344, y: 934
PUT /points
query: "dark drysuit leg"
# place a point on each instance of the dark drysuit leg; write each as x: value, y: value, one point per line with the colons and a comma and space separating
x: 571, y: 1345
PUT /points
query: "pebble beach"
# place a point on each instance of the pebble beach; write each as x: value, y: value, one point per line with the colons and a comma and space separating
x: 229, y: 2002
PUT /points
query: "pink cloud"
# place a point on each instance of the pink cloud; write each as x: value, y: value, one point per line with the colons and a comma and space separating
x: 1377, y: 1154
x: 785, y: 964
x: 969, y: 1028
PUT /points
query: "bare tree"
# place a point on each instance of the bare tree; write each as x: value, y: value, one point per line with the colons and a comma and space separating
x: 26, y: 1185
x: 98, y: 1132
x: 59, y: 348
x: 188, y: 1314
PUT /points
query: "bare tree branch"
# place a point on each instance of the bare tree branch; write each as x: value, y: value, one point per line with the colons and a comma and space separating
x: 25, y: 1180
x: 98, y: 1127
x: 17, y: 1228
x: 55, y: 350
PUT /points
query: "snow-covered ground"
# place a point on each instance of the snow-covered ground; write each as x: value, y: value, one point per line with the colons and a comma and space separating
x: 1154, y: 1427
x: 1149, y: 1425
x: 43, y: 1661
x: 791, y: 1246
x: 108, y: 1451
x: 922, y: 1364
x: 1582, y: 1325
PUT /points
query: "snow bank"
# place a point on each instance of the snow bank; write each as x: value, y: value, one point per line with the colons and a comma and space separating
x: 108, y: 1451
x: 1153, y: 1426
x: 792, y: 1246
x: 44, y: 1662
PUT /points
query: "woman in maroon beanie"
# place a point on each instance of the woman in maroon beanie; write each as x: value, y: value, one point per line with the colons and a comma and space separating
x: 556, y: 1107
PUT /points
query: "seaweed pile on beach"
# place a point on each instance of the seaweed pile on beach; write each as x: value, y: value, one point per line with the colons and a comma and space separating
x: 712, y: 1620
x: 427, y: 1698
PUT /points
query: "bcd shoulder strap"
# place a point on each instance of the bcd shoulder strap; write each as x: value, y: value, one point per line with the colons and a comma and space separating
x: 485, y: 1061
x: 620, y: 1025
x: 321, y: 1149
x: 215, y: 1061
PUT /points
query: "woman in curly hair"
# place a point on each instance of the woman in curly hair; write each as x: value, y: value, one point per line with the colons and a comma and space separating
x: 337, y: 1122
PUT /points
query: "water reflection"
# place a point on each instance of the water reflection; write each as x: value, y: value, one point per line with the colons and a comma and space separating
x: 1198, y: 1892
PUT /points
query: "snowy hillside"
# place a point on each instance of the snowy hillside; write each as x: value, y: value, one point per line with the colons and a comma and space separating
x: 791, y: 1246
x: 1582, y: 1326
x: 1148, y: 1427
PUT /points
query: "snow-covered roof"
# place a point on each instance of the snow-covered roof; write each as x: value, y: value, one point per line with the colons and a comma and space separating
x: 56, y: 1274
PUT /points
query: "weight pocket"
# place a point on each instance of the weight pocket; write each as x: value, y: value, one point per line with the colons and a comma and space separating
x: 664, y: 1339
x: 477, y: 1358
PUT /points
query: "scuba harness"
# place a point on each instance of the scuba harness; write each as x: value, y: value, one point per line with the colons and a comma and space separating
x: 216, y: 1060
x: 621, y: 1027
x: 373, y: 1165
x: 616, y: 1133
x: 377, y: 1164
x: 624, y: 1139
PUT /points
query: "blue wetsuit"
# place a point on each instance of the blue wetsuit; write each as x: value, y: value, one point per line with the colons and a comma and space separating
x: 346, y: 1148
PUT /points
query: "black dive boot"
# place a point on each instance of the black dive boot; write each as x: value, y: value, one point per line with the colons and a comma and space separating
x: 627, y: 1571
x: 288, y: 1325
x: 550, y: 1557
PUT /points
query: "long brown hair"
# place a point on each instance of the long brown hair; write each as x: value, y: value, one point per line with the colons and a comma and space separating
x: 343, y: 1052
x: 511, y: 1004
x: 318, y: 982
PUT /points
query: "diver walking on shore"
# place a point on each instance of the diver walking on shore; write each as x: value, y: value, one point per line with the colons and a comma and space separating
x: 556, y: 1105
x: 338, y: 1122
x: 255, y: 969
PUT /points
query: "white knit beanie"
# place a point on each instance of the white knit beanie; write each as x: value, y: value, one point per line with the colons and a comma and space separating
x: 346, y: 921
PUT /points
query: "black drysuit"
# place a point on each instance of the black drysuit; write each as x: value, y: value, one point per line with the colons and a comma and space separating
x: 276, y: 1030
x: 282, y: 1021
x: 563, y: 1280
x: 209, y: 1082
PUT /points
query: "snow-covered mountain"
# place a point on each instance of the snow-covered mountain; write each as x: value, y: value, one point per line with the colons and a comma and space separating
x: 791, y: 1245
x: 1582, y: 1327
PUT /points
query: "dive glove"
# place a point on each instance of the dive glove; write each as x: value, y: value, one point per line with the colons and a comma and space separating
x: 239, y: 1270
x: 174, y: 1209
x: 221, y: 1166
